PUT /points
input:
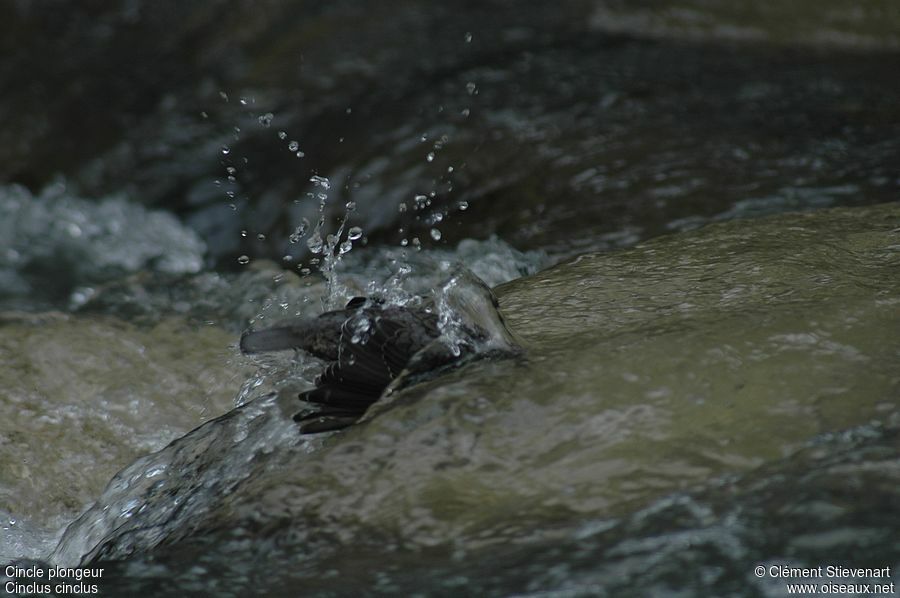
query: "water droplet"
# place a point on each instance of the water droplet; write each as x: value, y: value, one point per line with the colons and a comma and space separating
x: 320, y: 181
x: 204, y: 114
x: 243, y: 260
x: 466, y: 112
x: 449, y: 169
x: 360, y: 326
x: 314, y: 242
x: 463, y: 205
x: 416, y: 243
x: 226, y: 150
x: 345, y: 247
x: 468, y: 37
x: 349, y: 110
x: 401, y: 207
x: 287, y: 258
x: 299, y: 231
x: 282, y: 134
x: 266, y: 119
x: 471, y: 88
x: 261, y: 237
x: 354, y: 233
x: 230, y: 169
x: 294, y: 146
x: 404, y: 242
x: 350, y: 205
x: 300, y: 154
x: 243, y: 233
x: 223, y: 95
x: 430, y: 157
x: 237, y: 130
x: 243, y: 102
x: 435, y: 234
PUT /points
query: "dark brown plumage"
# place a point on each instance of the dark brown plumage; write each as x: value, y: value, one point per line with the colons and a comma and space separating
x: 367, y: 346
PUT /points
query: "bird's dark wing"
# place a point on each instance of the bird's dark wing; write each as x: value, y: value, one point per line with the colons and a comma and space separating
x: 365, y: 366
x: 318, y: 336
x: 367, y: 346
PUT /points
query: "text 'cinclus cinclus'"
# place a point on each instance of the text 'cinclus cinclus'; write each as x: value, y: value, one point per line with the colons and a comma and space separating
x: 369, y: 345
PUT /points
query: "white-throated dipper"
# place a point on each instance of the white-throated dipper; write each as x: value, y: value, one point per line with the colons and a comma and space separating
x: 369, y: 345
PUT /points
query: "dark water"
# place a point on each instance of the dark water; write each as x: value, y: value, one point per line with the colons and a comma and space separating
x: 567, y: 127
x: 688, y: 409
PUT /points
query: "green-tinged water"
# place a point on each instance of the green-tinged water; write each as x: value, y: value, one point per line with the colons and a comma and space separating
x: 710, y: 374
x: 84, y: 396
x: 654, y: 380
x: 859, y: 25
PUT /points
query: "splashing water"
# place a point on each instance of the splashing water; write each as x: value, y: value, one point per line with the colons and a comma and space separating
x: 170, y: 490
x: 472, y: 461
x: 54, y: 242
x: 328, y: 248
x: 468, y: 316
x: 161, y: 498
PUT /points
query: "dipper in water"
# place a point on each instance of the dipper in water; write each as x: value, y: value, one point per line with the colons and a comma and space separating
x: 373, y: 348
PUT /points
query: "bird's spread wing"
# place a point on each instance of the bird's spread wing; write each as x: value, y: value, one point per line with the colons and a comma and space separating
x: 317, y: 336
x: 370, y: 346
x: 366, y: 364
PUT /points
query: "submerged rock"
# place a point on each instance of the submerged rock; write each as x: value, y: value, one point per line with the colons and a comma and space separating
x: 668, y: 368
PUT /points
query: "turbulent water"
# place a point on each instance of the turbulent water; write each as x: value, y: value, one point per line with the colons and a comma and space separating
x: 675, y: 402
x: 681, y: 209
x: 114, y: 375
x: 570, y: 126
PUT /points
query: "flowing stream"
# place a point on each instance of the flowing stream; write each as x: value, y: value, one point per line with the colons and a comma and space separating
x: 688, y: 214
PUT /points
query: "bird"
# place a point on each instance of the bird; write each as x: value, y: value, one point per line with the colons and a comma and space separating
x: 372, y: 347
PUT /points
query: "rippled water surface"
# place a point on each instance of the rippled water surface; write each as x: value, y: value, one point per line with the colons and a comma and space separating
x: 571, y: 126
x: 687, y: 212
x: 666, y: 392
